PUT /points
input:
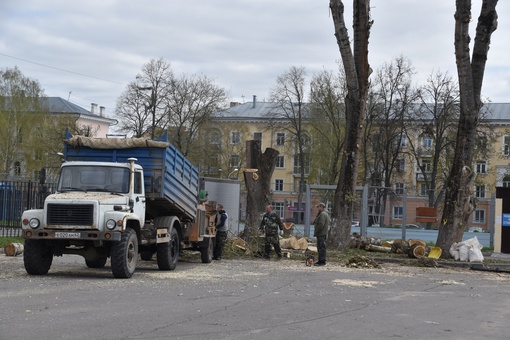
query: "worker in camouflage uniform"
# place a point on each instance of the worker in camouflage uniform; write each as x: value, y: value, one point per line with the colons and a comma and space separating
x: 271, y: 224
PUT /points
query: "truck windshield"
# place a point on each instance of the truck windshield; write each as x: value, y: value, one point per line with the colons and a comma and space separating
x: 94, y: 178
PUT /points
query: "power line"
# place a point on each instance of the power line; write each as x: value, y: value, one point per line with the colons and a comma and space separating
x: 60, y: 69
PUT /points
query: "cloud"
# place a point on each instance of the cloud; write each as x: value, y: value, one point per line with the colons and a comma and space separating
x: 95, y: 48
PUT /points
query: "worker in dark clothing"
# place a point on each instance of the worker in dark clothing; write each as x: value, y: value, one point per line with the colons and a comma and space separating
x: 221, y: 232
x: 270, y: 223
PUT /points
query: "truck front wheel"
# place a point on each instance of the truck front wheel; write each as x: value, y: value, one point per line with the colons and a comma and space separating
x: 124, y: 255
x: 36, y: 257
x: 168, y: 253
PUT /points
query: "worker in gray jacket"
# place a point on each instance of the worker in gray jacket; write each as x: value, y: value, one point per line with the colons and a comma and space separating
x: 321, y: 226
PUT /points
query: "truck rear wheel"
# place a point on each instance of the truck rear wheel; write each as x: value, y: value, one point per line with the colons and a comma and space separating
x: 36, y: 258
x: 207, y: 250
x: 124, y: 255
x: 168, y: 253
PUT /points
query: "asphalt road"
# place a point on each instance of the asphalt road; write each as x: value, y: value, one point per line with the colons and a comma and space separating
x: 252, y: 299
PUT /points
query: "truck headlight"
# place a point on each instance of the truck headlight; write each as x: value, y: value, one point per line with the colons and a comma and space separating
x: 111, y: 224
x: 34, y: 223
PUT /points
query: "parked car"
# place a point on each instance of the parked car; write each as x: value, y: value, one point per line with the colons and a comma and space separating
x: 354, y: 224
x: 410, y: 226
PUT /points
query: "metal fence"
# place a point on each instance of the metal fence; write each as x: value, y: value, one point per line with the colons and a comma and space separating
x: 16, y: 197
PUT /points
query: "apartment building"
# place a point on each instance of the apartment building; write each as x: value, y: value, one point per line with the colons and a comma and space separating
x: 225, y: 158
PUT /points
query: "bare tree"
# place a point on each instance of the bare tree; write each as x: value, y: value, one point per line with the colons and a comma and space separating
x: 142, y: 107
x: 458, y: 198
x: 289, y: 96
x: 191, y: 101
x: 357, y: 71
x: 393, y: 94
x: 327, y: 118
x: 431, y: 133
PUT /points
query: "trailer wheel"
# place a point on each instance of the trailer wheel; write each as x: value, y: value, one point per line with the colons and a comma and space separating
x: 168, y: 253
x: 36, y: 258
x: 98, y: 262
x: 206, y: 250
x: 124, y: 254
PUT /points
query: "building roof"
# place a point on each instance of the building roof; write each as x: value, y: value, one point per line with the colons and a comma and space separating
x: 496, y: 112
x: 60, y: 105
x: 251, y: 111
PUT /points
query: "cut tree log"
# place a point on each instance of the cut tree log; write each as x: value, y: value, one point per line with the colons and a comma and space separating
x: 13, y: 249
x: 290, y: 243
x: 303, y: 243
x: 416, y: 251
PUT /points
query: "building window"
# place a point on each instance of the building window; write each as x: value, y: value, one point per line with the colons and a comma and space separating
x: 426, y: 142
x: 480, y: 191
x: 398, y: 213
x: 401, y: 141
x: 258, y: 136
x: 479, y: 216
x: 280, y: 139
x: 278, y: 185
x: 401, y: 165
x: 38, y: 155
x: 306, y: 165
x: 234, y: 161
x: 506, y: 181
x: 426, y: 164
x: 19, y: 137
x: 280, y: 162
x: 17, y: 169
x: 235, y: 137
x: 399, y: 188
x: 279, y: 208
x: 506, y: 146
x: 481, y: 167
x: 214, y: 138
x: 423, y: 189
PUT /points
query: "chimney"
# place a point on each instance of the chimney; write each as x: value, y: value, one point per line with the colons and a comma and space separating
x: 254, y: 101
x: 101, y: 111
x: 93, y: 107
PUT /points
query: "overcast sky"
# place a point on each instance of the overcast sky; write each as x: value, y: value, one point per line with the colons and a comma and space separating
x: 88, y: 51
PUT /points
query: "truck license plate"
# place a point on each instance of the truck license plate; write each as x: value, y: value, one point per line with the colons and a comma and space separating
x: 62, y: 234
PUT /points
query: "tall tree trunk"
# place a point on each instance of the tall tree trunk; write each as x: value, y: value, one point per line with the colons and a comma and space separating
x: 458, y: 197
x: 357, y: 71
x: 258, y: 183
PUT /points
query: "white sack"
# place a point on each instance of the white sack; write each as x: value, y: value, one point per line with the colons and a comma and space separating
x: 454, y: 251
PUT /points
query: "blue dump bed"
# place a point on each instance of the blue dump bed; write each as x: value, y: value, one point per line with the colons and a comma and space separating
x: 171, y: 181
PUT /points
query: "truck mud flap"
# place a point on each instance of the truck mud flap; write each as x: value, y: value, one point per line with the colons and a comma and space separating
x: 162, y: 236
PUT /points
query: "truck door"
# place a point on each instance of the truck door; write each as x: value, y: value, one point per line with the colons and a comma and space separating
x: 139, y: 197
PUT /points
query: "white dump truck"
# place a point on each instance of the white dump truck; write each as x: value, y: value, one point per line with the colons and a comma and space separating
x: 118, y: 198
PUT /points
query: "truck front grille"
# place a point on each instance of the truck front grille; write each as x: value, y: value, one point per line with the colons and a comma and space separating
x: 70, y: 214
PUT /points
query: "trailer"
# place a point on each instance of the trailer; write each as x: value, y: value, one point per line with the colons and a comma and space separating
x: 118, y: 198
